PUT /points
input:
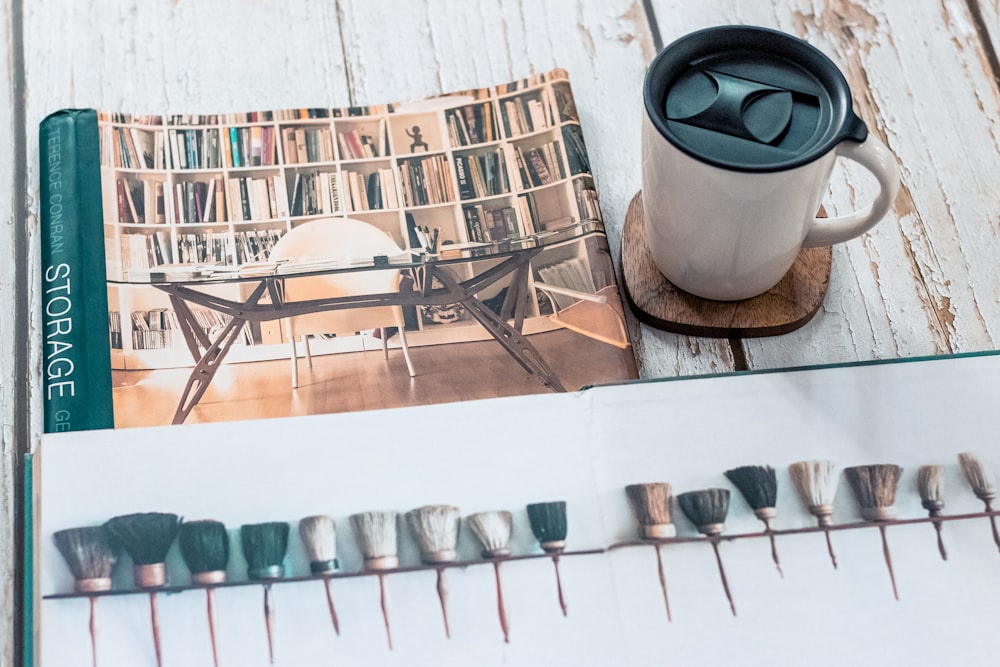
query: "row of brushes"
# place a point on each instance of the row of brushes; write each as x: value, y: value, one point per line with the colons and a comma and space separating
x: 874, y: 487
x: 92, y: 552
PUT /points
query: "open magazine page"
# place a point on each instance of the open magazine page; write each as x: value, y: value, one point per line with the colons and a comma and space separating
x: 302, y: 261
x: 501, y: 454
x: 689, y: 433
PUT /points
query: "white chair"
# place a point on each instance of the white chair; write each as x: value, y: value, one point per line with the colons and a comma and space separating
x: 339, y: 238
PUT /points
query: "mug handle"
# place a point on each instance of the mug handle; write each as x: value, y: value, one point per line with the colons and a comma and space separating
x: 876, y: 158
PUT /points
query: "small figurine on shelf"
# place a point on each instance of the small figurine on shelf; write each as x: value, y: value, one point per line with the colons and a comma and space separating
x: 418, y: 139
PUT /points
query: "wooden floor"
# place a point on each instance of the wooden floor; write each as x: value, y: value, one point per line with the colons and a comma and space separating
x: 365, y: 380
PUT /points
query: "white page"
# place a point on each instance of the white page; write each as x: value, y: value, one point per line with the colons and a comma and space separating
x: 504, y: 453
x: 688, y: 433
x: 478, y: 455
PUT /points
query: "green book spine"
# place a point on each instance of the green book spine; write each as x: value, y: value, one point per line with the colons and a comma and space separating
x: 28, y: 652
x: 77, y: 353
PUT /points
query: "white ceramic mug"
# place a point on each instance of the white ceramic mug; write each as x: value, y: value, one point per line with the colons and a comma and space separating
x: 741, y: 131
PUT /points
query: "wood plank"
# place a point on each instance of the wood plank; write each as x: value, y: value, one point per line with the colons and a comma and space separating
x: 12, y: 342
x: 924, y: 280
x: 450, y: 45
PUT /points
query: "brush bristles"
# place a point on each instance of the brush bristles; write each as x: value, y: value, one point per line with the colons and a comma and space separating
x: 204, y: 546
x: 376, y: 535
x: 548, y: 523
x: 90, y: 555
x: 706, y: 509
x: 930, y: 484
x: 493, y: 530
x: 435, y: 529
x: 264, y: 547
x: 757, y: 484
x: 146, y: 537
x: 816, y: 482
x: 319, y: 537
x: 980, y: 477
x: 875, y: 488
x: 651, y: 505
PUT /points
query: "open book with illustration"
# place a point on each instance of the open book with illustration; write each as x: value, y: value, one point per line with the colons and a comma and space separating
x: 820, y: 517
x: 252, y: 259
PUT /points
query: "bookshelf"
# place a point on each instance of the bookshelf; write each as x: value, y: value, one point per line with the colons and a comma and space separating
x: 479, y: 166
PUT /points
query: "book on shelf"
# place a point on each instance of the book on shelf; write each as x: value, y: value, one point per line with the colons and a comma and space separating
x: 609, y: 526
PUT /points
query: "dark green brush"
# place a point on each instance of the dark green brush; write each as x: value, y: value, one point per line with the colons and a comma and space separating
x: 759, y: 486
x: 146, y: 537
x: 707, y: 510
x: 264, y: 547
x: 205, y: 548
x: 548, y: 523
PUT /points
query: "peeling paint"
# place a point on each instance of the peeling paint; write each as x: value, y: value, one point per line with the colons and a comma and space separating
x: 638, y: 29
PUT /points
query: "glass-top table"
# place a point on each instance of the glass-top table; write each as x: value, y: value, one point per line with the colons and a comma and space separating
x: 438, y: 279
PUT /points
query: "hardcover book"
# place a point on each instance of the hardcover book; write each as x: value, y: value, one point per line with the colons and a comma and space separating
x: 290, y: 262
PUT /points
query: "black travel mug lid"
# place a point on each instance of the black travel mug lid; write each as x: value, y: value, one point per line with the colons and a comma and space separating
x: 751, y: 99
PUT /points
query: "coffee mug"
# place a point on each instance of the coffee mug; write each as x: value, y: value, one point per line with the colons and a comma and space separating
x: 741, y: 130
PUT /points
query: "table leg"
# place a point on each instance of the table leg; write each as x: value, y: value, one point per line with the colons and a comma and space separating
x: 207, y: 363
x: 516, y: 344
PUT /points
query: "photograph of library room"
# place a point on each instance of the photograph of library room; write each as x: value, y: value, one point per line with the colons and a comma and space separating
x: 452, y: 361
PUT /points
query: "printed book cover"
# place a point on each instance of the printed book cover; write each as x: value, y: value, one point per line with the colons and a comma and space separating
x: 202, y: 268
x: 825, y: 517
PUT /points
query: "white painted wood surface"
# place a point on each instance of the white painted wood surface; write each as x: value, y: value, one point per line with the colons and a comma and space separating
x: 925, y: 281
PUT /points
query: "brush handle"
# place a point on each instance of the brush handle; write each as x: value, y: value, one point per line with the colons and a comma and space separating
x: 93, y: 630
x: 501, y: 605
x: 993, y: 524
x: 329, y: 603
x: 442, y: 591
x: 722, y: 573
x: 663, y: 581
x: 774, y: 553
x: 210, y: 611
x: 559, y: 588
x: 383, y: 593
x: 829, y: 548
x: 888, y: 560
x: 269, y: 621
x: 940, y: 540
x: 154, y: 617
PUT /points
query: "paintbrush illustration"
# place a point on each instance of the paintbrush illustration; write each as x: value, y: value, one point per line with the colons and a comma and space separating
x: 435, y: 529
x: 319, y: 536
x: 91, y: 557
x: 147, y: 537
x: 205, y: 548
x: 875, y: 488
x: 930, y: 484
x: 376, y: 535
x: 493, y: 530
x: 707, y: 510
x: 816, y: 482
x: 759, y: 486
x: 264, y: 547
x: 548, y: 523
x: 651, y: 505
x: 983, y: 484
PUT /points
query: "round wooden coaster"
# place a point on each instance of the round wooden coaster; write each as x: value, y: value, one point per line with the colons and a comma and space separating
x: 655, y: 301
